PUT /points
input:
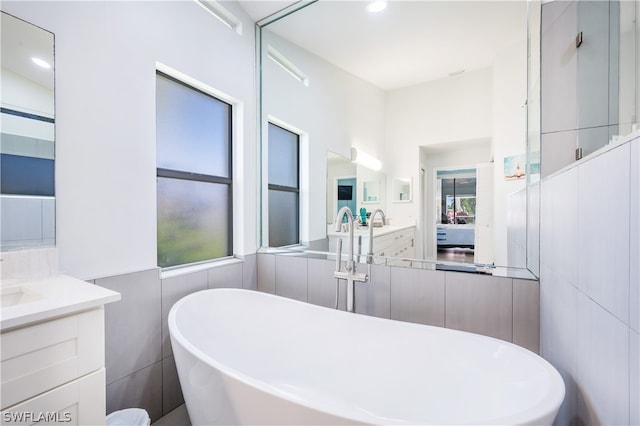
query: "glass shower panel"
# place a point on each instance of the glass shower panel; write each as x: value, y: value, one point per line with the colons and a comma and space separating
x: 629, y: 66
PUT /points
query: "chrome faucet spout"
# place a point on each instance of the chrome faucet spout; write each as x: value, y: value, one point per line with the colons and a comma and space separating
x: 346, y: 210
x: 384, y: 222
x: 350, y: 274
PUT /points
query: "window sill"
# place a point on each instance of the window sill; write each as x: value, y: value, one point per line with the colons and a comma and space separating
x: 189, y: 269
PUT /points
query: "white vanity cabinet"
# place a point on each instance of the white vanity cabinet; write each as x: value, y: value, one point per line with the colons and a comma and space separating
x: 52, y: 367
x: 398, y: 244
x: 388, y: 241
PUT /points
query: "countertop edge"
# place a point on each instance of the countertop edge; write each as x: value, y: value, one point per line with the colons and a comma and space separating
x: 47, y: 308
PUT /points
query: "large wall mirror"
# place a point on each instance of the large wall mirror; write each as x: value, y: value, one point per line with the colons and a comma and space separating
x: 27, y: 196
x: 443, y: 97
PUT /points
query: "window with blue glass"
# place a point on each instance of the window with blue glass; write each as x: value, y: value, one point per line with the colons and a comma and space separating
x: 284, y: 187
x: 194, y: 175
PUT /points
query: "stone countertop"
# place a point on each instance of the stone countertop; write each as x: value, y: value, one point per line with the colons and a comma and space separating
x: 364, y: 230
x: 29, y: 301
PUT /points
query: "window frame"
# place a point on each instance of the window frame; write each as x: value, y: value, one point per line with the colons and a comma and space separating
x: 285, y: 188
x: 200, y: 177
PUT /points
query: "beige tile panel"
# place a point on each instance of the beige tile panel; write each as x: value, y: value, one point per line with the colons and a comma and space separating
x: 479, y: 304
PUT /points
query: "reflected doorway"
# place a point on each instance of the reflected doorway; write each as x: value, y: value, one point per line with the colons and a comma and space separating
x: 456, y: 210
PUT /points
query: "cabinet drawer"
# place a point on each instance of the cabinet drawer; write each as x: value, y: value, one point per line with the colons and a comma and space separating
x: 37, y: 358
x: 393, y: 239
x: 80, y: 402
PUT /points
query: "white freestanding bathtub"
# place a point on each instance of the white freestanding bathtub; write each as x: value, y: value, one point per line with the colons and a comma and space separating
x: 246, y: 357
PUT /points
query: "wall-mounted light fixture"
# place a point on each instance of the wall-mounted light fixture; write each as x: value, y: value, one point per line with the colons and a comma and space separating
x: 287, y: 65
x: 226, y: 17
x: 364, y: 159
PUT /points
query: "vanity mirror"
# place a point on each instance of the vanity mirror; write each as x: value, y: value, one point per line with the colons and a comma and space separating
x: 27, y: 194
x: 401, y: 190
x: 354, y: 186
x: 425, y: 87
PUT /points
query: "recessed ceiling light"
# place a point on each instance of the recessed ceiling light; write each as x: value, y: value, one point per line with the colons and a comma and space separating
x: 377, y: 6
x: 41, y: 63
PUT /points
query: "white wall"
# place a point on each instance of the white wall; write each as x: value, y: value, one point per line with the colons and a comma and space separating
x: 105, y: 60
x: 25, y: 95
x: 486, y: 104
x: 467, y: 157
x: 509, y: 137
x: 453, y: 109
x: 336, y: 110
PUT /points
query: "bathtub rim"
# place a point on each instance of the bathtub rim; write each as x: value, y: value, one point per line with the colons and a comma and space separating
x: 553, y: 398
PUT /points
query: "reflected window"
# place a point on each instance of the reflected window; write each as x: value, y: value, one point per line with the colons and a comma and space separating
x: 458, y: 201
x: 284, y: 187
x: 194, y: 185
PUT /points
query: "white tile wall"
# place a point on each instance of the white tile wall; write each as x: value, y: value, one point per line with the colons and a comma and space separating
x: 603, y: 238
x: 587, y: 327
x: 564, y: 236
x: 634, y: 249
x: 558, y: 335
x: 603, y: 365
x: 634, y: 378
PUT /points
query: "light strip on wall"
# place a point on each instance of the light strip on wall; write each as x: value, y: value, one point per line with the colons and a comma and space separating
x: 364, y: 159
x: 226, y: 17
x: 287, y: 65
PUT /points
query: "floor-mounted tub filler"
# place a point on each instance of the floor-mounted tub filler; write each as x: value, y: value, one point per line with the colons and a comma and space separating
x: 246, y: 357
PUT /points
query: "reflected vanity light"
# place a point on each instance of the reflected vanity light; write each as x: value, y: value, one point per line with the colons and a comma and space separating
x: 364, y: 159
x: 223, y: 15
x: 377, y: 6
x: 41, y: 63
x: 287, y: 65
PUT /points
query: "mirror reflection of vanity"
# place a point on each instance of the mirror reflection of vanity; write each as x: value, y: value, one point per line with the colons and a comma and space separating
x: 27, y: 150
x: 479, y: 118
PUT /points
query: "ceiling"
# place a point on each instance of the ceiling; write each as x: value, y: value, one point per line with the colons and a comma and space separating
x: 22, y: 41
x: 407, y: 43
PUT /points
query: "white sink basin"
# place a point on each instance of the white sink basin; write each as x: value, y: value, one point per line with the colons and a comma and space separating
x: 17, y: 295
